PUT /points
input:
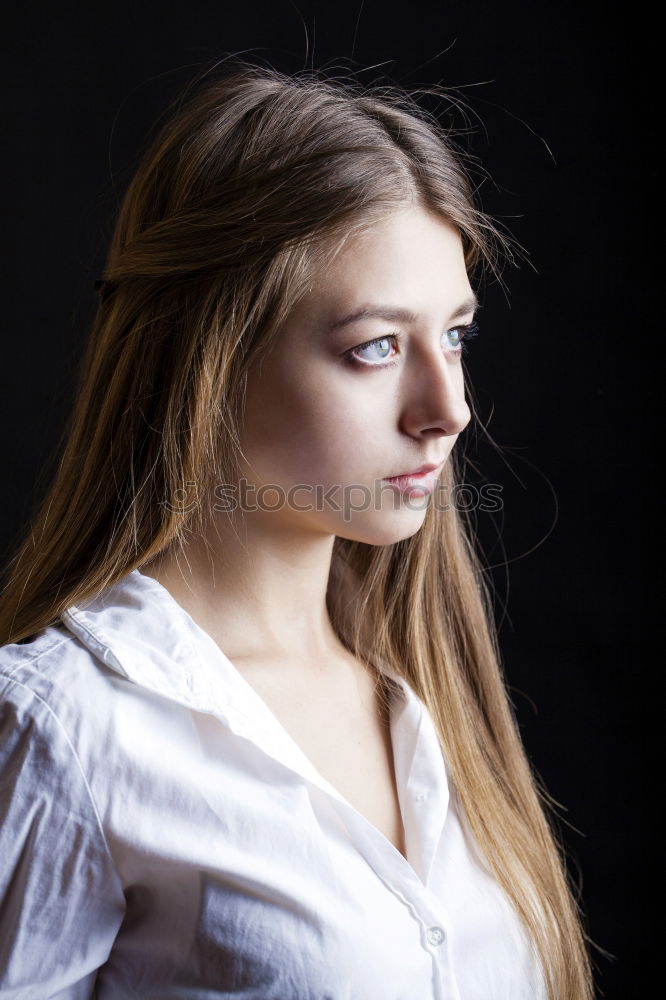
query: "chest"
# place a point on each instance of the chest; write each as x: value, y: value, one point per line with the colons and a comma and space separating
x: 346, y: 736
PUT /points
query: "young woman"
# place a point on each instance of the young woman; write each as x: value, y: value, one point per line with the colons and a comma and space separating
x: 255, y: 739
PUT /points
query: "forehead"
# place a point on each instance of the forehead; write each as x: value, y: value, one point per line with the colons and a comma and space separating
x: 412, y: 258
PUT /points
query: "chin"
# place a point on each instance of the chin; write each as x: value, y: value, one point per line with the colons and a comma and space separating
x: 384, y: 529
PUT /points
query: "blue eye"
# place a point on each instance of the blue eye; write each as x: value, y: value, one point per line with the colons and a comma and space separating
x: 384, y: 344
x: 456, y: 336
x: 460, y: 335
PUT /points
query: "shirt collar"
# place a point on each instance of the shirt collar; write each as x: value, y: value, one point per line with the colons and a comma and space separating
x: 138, y: 630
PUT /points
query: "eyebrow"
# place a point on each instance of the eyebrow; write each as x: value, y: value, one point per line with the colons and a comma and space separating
x: 396, y: 315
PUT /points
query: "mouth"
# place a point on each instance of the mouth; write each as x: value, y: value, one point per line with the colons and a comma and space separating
x: 422, y: 481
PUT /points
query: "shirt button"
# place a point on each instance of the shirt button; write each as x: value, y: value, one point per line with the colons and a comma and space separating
x: 422, y: 796
x: 435, y: 935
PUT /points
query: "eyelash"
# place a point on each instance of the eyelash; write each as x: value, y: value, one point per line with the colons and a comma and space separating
x: 466, y: 333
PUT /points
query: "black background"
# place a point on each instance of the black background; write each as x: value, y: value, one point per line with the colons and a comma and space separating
x: 554, y: 370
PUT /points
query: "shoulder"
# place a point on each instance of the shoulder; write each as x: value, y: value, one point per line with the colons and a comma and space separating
x: 62, y: 710
x: 59, y: 891
x: 52, y: 700
x: 54, y: 677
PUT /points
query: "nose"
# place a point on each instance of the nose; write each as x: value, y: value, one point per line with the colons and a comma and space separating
x: 435, y: 398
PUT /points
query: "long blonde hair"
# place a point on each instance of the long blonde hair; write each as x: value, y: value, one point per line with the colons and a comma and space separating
x: 242, y: 197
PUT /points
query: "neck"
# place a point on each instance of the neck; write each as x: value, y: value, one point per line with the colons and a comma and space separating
x: 257, y: 593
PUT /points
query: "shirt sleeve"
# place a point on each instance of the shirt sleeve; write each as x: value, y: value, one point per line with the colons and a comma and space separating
x: 61, y: 899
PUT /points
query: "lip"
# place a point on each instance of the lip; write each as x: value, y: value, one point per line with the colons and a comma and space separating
x: 422, y: 480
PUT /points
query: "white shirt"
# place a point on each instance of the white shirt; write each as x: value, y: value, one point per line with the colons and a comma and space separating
x: 162, y: 836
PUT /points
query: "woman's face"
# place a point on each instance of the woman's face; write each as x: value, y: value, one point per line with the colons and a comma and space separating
x: 330, y: 416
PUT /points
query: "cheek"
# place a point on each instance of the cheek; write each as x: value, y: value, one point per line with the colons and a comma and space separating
x: 312, y: 429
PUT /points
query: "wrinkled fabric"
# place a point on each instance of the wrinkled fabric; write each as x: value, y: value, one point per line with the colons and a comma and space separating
x: 162, y: 836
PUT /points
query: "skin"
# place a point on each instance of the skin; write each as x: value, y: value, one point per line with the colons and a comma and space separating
x: 312, y: 417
